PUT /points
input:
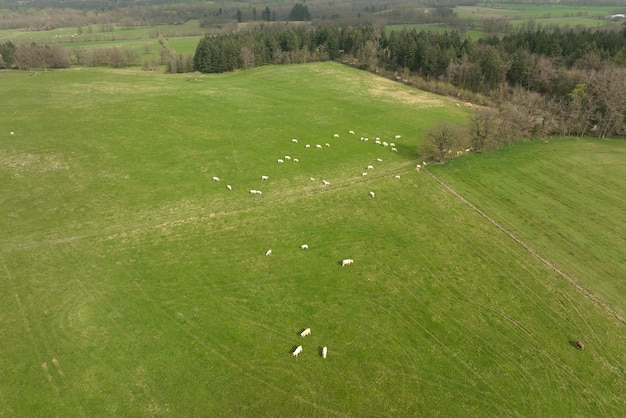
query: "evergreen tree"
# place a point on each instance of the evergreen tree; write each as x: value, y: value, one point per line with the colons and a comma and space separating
x: 266, y: 14
x: 299, y: 13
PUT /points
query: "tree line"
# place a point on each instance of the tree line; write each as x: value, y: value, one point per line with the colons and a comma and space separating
x: 547, y: 81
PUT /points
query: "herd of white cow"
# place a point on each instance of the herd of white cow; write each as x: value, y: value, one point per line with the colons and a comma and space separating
x: 282, y: 160
x: 298, y: 349
x: 347, y: 261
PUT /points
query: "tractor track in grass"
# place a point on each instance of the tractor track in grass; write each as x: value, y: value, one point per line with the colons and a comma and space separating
x: 116, y: 231
x: 588, y: 294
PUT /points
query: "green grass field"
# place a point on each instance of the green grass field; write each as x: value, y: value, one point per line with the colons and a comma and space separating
x: 135, y: 285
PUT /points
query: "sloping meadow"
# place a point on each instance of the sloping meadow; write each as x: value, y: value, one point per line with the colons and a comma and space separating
x: 135, y: 284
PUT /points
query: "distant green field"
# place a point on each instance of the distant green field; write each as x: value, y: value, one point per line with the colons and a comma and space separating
x: 538, y: 191
x: 517, y: 14
x: 134, y: 285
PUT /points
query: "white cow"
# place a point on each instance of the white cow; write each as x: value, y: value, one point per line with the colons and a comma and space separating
x: 305, y: 332
x: 216, y: 179
x: 268, y: 252
x: 229, y: 187
x: 264, y: 177
x: 280, y: 161
x: 324, y: 351
x: 346, y: 262
x: 304, y: 247
x: 297, y: 351
x: 372, y: 194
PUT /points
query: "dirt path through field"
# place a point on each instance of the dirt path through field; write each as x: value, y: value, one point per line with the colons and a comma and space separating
x: 532, y: 251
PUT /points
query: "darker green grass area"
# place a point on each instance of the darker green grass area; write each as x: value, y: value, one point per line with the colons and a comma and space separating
x: 135, y: 285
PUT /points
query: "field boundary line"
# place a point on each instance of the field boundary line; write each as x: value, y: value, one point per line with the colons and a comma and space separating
x: 588, y: 294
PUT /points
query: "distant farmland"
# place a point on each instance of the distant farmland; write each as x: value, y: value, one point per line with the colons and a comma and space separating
x: 134, y: 284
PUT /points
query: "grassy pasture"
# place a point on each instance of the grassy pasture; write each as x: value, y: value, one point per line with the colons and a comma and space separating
x: 576, y: 220
x: 517, y: 14
x: 134, y: 285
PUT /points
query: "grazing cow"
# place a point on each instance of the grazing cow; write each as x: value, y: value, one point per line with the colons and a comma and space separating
x: 304, y: 247
x: 297, y: 351
x: 305, y: 332
x: 295, y: 141
x: 580, y: 345
x: 372, y: 194
x: 228, y: 187
x: 325, y: 183
x: 370, y: 167
x: 268, y: 252
x: 280, y: 161
x: 264, y: 177
x: 346, y: 262
x: 324, y: 351
x: 216, y: 179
